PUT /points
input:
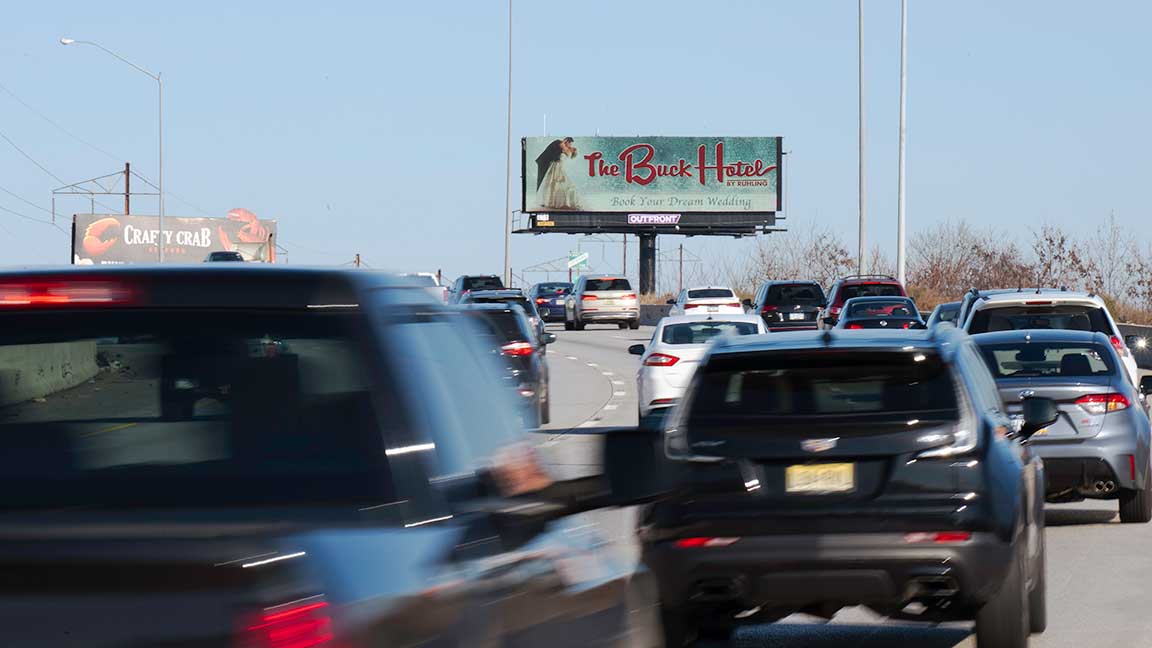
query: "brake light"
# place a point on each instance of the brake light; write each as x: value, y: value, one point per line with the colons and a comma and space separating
x: 55, y: 293
x: 938, y: 537
x: 517, y: 349
x: 541, y: 300
x: 1038, y: 303
x: 855, y: 326
x: 629, y: 296
x: 733, y: 304
x: 295, y: 626
x: 696, y: 543
x: 588, y: 298
x: 768, y: 307
x: 907, y: 324
x: 687, y: 306
x: 661, y: 360
x: 1102, y: 403
x: 663, y: 401
x: 835, y: 310
x: 1118, y: 344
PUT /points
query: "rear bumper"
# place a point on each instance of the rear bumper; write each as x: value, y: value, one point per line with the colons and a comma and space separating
x: 797, y: 571
x: 610, y: 315
x: 791, y: 326
x: 551, y: 313
x: 1079, y: 465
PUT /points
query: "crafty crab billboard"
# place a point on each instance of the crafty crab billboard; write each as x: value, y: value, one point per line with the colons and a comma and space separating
x: 99, y: 239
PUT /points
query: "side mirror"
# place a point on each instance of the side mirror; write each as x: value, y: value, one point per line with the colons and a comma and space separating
x: 548, y: 338
x: 1038, y: 414
x: 671, y: 302
x: 1146, y: 385
x: 636, y: 349
x: 747, y: 303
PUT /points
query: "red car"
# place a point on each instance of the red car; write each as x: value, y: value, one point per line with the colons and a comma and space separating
x: 873, y: 285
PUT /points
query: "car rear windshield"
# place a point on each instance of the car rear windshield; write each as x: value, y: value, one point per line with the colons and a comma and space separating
x: 799, y: 387
x: 522, y: 302
x: 710, y: 293
x: 1062, y: 317
x: 553, y: 289
x: 704, y: 332
x: 483, y: 283
x: 799, y: 293
x: 870, y: 290
x: 596, y: 285
x: 179, y: 408
x: 882, y: 308
x: 505, y: 326
x: 1039, y: 359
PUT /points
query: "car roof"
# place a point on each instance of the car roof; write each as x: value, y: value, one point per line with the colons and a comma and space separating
x: 872, y: 298
x: 602, y: 276
x: 491, y: 308
x: 1040, y: 335
x: 777, y: 282
x: 945, y: 305
x: 708, y: 288
x: 944, y: 339
x: 247, y: 285
x: 499, y: 292
x: 878, y: 279
x: 1044, y: 294
x: 683, y: 319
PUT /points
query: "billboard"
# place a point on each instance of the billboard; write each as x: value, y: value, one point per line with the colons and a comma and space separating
x: 663, y: 176
x: 103, y: 239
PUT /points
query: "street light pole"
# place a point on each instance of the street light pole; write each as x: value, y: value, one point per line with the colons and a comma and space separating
x: 863, y: 202
x: 160, y: 122
x: 508, y: 166
x: 901, y: 260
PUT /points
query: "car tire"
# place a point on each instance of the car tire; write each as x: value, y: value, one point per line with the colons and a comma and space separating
x: 1038, y: 597
x: 1002, y: 622
x: 634, y: 324
x: 546, y: 411
x: 679, y: 628
x: 568, y: 325
x: 622, y: 325
x: 578, y: 325
x: 1136, y: 505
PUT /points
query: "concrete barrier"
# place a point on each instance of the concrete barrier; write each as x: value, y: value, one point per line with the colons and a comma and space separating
x: 36, y: 370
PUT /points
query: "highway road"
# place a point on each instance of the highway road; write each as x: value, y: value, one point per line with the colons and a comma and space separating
x: 1098, y: 569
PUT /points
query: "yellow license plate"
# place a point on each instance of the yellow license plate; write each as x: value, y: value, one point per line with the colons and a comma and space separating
x: 820, y: 478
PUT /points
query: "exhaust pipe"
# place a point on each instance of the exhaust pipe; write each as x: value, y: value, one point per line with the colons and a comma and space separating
x: 1102, y: 486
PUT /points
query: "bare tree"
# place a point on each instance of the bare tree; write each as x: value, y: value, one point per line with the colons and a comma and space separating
x: 1059, y: 260
x: 1107, y: 252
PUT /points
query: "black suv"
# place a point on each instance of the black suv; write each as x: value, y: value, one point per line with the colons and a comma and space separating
x: 788, y: 305
x: 509, y: 333
x: 890, y: 478
x: 510, y: 297
x: 467, y: 283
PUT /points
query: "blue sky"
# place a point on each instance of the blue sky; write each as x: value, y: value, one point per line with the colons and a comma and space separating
x: 378, y: 127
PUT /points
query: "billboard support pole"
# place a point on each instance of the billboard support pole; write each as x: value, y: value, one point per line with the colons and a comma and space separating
x: 127, y: 190
x: 647, y: 263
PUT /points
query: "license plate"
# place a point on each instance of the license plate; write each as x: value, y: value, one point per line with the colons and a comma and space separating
x: 820, y: 478
x: 558, y: 302
x: 795, y: 316
x: 713, y: 309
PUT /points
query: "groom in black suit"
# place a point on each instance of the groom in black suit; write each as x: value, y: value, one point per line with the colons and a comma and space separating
x: 552, y: 152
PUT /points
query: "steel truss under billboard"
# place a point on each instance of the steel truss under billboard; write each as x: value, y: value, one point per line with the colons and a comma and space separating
x: 651, y: 185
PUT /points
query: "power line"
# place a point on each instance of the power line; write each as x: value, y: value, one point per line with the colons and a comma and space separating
x: 25, y: 200
x: 58, y: 126
x: 30, y: 158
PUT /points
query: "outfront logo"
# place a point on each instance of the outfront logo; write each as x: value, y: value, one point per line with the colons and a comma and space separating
x: 818, y: 445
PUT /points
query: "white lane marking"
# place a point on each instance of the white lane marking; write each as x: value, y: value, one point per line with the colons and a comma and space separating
x: 593, y: 364
x: 611, y: 406
x: 619, y: 393
x: 572, y: 357
x: 617, y: 382
x: 607, y: 373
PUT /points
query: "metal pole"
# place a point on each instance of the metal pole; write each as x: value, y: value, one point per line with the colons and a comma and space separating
x: 127, y: 188
x: 681, y: 268
x: 160, y: 160
x: 901, y: 261
x: 860, y: 72
x: 624, y: 237
x: 508, y: 166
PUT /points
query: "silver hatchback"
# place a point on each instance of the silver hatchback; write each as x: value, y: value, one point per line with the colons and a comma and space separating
x: 602, y: 300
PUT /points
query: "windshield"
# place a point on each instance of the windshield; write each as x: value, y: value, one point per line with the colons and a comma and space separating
x: 870, y: 290
x: 1063, y: 317
x: 710, y: 293
x: 794, y: 294
x: 704, y: 332
x: 948, y: 312
x: 483, y: 283
x: 1038, y: 359
x: 190, y: 408
x: 596, y: 285
x: 882, y: 308
x: 798, y: 386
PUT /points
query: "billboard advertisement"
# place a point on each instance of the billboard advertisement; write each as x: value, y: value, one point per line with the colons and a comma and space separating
x: 651, y: 175
x: 103, y: 239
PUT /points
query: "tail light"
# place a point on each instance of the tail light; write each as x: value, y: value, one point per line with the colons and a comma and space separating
x: 1102, y: 403
x: 835, y: 310
x: 768, y: 308
x: 661, y: 360
x: 855, y: 326
x: 629, y: 296
x: 50, y: 293
x: 907, y: 324
x: 517, y: 349
x: 541, y: 300
x: 687, y: 306
x: 696, y: 543
x: 306, y: 625
x: 938, y: 537
x: 733, y: 304
x: 663, y: 401
x: 588, y: 298
x: 1118, y: 344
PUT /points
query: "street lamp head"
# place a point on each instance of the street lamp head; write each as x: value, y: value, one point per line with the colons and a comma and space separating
x: 67, y: 41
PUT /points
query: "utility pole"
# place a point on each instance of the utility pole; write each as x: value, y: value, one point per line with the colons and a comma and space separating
x: 681, y: 268
x: 860, y: 72
x: 356, y: 261
x: 901, y: 261
x: 127, y: 187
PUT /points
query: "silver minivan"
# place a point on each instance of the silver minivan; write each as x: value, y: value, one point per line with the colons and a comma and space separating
x: 601, y: 299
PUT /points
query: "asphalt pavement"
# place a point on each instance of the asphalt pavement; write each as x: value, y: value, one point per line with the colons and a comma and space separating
x: 1098, y: 569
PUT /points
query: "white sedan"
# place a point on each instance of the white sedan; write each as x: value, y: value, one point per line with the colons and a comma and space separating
x: 678, y: 343
x: 706, y: 299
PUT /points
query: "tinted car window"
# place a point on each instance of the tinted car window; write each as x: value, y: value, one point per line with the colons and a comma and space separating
x: 894, y: 308
x: 798, y: 386
x: 870, y: 290
x: 1038, y: 359
x: 506, y: 326
x: 709, y: 293
x: 704, y: 332
x: 1012, y: 318
x: 196, y: 409
x: 483, y: 283
x: 553, y: 288
x: 522, y: 302
x: 420, y: 280
x: 794, y: 293
x: 595, y: 285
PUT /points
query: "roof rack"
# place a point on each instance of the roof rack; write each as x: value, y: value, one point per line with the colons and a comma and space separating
x: 869, y: 276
